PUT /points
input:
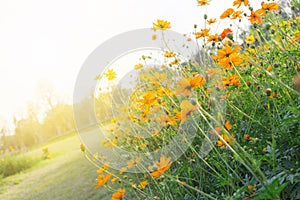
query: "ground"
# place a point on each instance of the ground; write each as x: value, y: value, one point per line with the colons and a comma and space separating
x: 67, y: 175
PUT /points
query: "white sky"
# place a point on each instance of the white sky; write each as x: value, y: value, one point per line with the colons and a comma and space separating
x: 49, y: 40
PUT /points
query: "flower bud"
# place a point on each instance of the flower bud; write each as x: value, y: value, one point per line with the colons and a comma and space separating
x: 272, y: 31
x: 269, y: 91
x: 230, y: 36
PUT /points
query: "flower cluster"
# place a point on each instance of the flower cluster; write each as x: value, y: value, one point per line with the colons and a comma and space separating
x: 247, y: 72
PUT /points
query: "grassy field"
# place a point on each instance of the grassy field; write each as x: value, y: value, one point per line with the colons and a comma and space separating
x: 67, y: 175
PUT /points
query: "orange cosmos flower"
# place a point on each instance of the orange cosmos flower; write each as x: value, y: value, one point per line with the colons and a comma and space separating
x: 267, y: 7
x: 211, y: 72
x: 226, y: 63
x: 235, y: 59
x: 197, y: 81
x: 184, y: 87
x: 225, y: 32
x: 119, y: 194
x: 228, y: 125
x: 231, y: 80
x: 255, y: 17
x: 247, y: 137
x: 202, y: 33
x: 133, y: 162
x: 167, y: 120
x: 186, y: 109
x: 149, y: 99
x: 162, y: 166
x: 213, y: 38
x: 177, y: 115
x: 203, y: 2
x: 176, y: 61
x: 216, y: 130
x: 226, y: 13
x: 239, y: 3
x: 226, y: 139
x: 102, y: 179
x: 211, y: 21
x: 297, y: 36
x: 162, y: 91
x: 226, y: 51
x: 237, y: 14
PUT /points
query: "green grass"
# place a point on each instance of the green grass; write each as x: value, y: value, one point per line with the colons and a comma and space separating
x: 67, y: 175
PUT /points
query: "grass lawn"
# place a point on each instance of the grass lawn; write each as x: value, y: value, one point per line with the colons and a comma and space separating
x: 67, y: 175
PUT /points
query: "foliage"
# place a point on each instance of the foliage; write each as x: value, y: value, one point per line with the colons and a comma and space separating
x: 14, y: 164
x: 254, y: 141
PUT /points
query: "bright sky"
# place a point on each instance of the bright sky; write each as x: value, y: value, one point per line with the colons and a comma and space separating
x: 49, y: 40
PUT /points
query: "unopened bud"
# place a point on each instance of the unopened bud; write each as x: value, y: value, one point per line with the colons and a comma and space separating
x: 269, y: 91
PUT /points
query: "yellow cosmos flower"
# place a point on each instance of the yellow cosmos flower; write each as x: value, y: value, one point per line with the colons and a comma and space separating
x: 82, y: 147
x: 164, y: 66
x: 103, y: 168
x: 110, y: 74
x: 161, y: 25
x: 169, y: 54
x: 154, y: 37
x: 250, y: 39
x: 143, y: 184
x: 114, y: 180
x: 138, y: 66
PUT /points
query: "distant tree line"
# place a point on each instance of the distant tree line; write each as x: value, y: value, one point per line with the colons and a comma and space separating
x: 51, y: 118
